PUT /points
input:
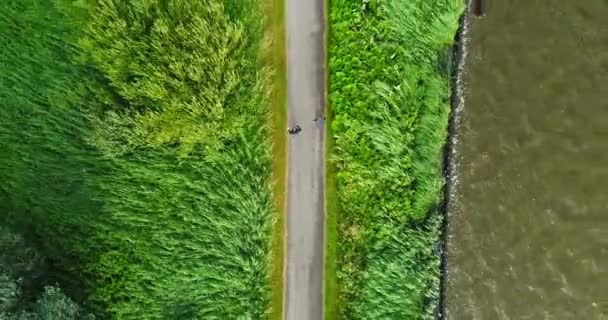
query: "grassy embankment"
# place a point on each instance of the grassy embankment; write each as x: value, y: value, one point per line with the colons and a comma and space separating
x: 389, y: 91
x: 276, y: 59
x: 136, y: 152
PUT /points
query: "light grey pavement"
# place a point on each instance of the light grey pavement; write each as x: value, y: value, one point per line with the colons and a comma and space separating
x: 306, y: 173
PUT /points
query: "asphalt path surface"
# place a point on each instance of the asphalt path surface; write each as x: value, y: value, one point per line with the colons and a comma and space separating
x: 306, y: 173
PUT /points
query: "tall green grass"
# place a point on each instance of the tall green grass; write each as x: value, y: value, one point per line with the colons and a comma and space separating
x: 134, y: 150
x: 390, y: 104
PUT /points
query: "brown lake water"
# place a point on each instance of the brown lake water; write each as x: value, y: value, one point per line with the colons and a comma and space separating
x: 528, y: 211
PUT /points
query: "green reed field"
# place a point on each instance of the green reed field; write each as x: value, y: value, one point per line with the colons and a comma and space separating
x: 134, y: 152
x: 389, y: 94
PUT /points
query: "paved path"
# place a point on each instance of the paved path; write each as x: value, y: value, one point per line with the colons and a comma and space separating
x: 306, y: 206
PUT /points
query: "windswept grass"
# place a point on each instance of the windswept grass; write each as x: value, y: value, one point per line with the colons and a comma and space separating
x: 390, y: 102
x: 135, y: 150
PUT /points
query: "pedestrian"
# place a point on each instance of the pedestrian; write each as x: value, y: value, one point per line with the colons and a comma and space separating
x: 294, y: 130
x: 320, y: 121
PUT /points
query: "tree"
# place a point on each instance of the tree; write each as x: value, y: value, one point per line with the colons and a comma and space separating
x: 18, y: 263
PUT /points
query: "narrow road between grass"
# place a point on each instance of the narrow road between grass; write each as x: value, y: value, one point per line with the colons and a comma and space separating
x: 306, y: 173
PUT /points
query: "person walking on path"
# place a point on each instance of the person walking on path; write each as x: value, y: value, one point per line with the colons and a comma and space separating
x: 294, y: 130
x: 320, y: 121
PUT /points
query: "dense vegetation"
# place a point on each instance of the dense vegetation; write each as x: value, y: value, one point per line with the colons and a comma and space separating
x: 25, y: 290
x: 389, y: 94
x: 134, y: 151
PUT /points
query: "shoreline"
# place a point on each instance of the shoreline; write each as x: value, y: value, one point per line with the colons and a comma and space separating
x: 450, y: 163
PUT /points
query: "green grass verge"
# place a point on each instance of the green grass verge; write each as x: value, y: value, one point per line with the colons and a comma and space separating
x: 332, y: 213
x: 389, y: 95
x: 136, y: 152
x: 332, y: 208
x: 276, y: 60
